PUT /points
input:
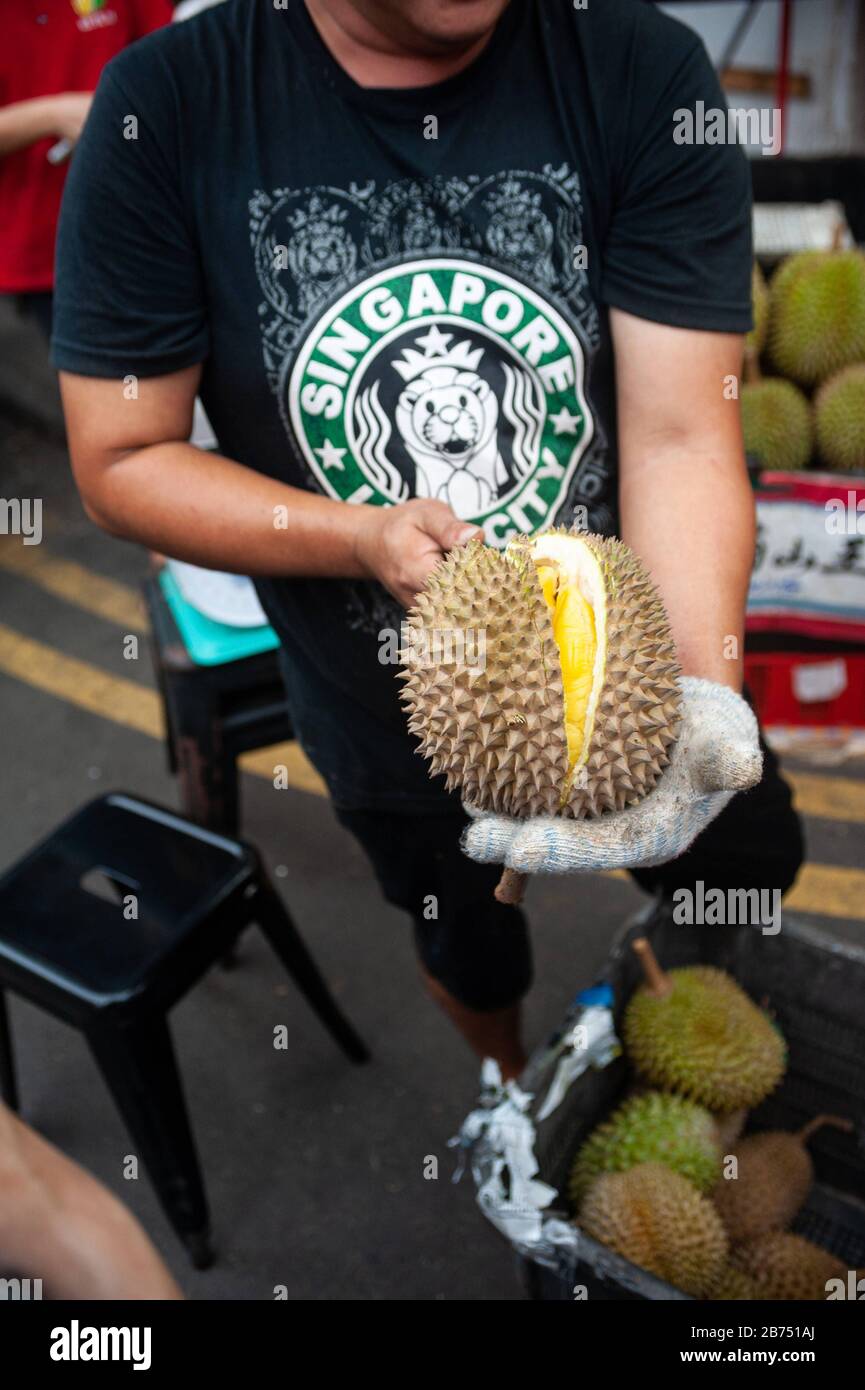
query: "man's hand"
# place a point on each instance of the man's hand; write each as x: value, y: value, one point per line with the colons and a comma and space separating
x: 716, y: 754
x: 401, y: 546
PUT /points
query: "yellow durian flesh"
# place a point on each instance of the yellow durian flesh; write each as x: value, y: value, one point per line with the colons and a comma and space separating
x: 573, y: 588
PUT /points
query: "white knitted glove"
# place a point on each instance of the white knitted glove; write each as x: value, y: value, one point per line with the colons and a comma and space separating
x: 716, y: 754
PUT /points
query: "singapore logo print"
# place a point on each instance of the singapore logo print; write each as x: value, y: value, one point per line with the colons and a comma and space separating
x: 443, y: 378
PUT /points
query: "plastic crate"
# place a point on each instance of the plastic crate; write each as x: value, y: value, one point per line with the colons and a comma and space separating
x: 811, y: 690
x: 815, y: 985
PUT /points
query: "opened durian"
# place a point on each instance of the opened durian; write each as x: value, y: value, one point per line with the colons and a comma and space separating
x: 575, y: 706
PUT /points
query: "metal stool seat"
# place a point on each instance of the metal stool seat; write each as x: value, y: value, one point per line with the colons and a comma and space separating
x: 172, y: 900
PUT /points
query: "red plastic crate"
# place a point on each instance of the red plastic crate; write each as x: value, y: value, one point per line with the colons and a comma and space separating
x: 812, y: 690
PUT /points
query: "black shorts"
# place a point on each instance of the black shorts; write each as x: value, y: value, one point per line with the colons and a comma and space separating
x: 479, y: 950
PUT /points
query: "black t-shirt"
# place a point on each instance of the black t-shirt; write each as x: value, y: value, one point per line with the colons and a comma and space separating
x: 399, y: 293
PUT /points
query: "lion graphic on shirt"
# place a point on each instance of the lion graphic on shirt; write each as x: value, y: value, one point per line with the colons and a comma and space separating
x: 448, y: 419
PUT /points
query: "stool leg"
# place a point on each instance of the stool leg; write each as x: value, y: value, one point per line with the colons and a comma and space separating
x: 8, y: 1088
x: 273, y: 918
x: 139, y: 1066
x: 208, y: 771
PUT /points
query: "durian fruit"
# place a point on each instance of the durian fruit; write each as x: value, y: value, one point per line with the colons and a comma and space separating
x: 733, y: 1285
x: 650, y: 1128
x: 729, y: 1127
x: 776, y: 424
x: 839, y: 411
x: 755, y: 341
x: 774, y: 1178
x: 817, y: 314
x: 786, y: 1266
x: 575, y: 706
x: 695, y: 1032
x: 658, y: 1220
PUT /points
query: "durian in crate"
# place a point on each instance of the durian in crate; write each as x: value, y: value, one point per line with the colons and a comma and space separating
x: 817, y: 314
x: 650, y: 1128
x: 658, y: 1220
x: 771, y: 1181
x: 575, y: 707
x: 784, y: 1266
x: 695, y: 1031
x: 839, y: 411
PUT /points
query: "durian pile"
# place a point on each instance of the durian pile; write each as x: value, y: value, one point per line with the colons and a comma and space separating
x: 650, y: 1181
x: 803, y: 401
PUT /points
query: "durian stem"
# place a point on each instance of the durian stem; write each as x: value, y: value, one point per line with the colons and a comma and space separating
x: 511, y: 887
x: 818, y: 1122
x: 658, y: 983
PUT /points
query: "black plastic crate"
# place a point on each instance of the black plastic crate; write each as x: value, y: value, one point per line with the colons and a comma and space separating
x: 815, y: 986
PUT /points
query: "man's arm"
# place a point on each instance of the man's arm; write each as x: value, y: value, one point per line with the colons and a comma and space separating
x: 686, y: 503
x: 139, y: 479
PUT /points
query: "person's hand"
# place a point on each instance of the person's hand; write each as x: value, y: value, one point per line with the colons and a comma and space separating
x: 67, y: 113
x: 716, y: 754
x: 401, y: 546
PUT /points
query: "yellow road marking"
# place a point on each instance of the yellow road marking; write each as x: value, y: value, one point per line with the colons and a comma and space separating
x: 132, y: 705
x: 79, y: 683
x: 822, y: 889
x: 828, y: 891
x: 107, y: 598
x: 300, y: 773
x: 829, y: 798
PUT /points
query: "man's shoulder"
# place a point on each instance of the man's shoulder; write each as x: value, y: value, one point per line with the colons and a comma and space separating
x: 609, y: 28
x: 194, y: 47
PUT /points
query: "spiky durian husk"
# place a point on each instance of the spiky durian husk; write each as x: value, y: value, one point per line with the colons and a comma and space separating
x: 733, y: 1285
x: 755, y: 341
x: 658, y: 1220
x: 839, y: 409
x: 817, y: 314
x: 776, y: 423
x: 499, y: 733
x: 705, y: 1040
x: 650, y: 1128
x: 786, y: 1266
x: 496, y: 732
x: 773, y: 1178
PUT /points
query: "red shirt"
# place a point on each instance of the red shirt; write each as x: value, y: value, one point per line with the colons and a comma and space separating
x: 52, y: 46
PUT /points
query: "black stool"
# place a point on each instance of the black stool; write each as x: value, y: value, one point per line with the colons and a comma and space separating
x: 212, y: 715
x: 88, y: 959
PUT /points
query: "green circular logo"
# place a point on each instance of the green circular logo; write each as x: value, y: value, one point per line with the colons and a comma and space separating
x: 448, y: 379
